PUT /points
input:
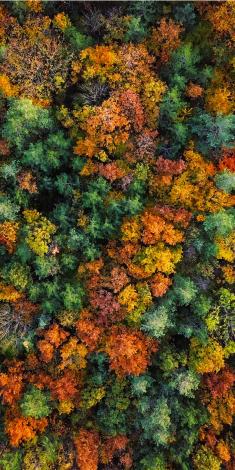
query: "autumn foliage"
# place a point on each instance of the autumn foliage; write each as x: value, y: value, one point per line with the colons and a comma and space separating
x: 117, y: 235
x: 129, y: 352
x: 86, y: 444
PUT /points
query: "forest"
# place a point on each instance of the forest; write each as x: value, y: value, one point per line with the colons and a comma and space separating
x: 117, y: 230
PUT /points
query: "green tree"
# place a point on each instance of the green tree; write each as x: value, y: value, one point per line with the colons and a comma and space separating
x: 225, y: 181
x: 184, y: 289
x: 25, y: 122
x: 36, y: 403
x: 157, y: 320
x: 136, y: 30
x: 42, y: 455
x: 212, y: 132
x: 77, y: 39
x: 11, y: 460
x: 154, y: 420
x: 221, y: 223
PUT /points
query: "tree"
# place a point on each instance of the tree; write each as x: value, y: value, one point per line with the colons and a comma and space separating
x: 53, y: 338
x: 48, y: 154
x: 111, y: 415
x: 65, y: 387
x: 35, y: 403
x: 225, y: 181
x: 11, y: 460
x: 129, y: 351
x: 219, y: 101
x: 8, y: 235
x: 213, y: 132
x: 157, y: 320
x: 165, y: 39
x: 219, y: 384
x: 153, y: 463
x: 105, y: 129
x: 37, y: 71
x: 89, y: 333
x: 185, y: 61
x: 206, y: 358
x: 204, y: 459
x: 77, y: 40
x: 136, y: 32
x: 221, y: 17
x: 40, y: 231
x: 11, y: 384
x: 20, y: 429
x: 86, y: 444
x: 194, y: 90
x: 221, y: 223
x: 184, y: 289
x: 155, y: 422
x: 186, y: 15
x: 44, y: 453
x: 186, y: 382
x: 73, y: 296
x: 25, y: 121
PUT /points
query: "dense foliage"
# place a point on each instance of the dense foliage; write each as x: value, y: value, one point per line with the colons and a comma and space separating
x: 117, y: 228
